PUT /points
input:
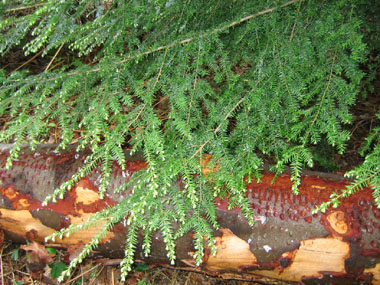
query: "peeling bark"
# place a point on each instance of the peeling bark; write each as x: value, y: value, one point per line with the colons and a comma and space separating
x: 287, y: 243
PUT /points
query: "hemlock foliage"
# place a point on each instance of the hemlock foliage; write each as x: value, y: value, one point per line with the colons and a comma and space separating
x: 240, y: 80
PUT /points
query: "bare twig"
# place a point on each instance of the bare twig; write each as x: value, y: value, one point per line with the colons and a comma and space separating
x: 160, y: 71
x: 1, y: 262
x: 292, y: 34
x: 96, y: 276
x: 55, y: 55
x: 24, y: 7
x: 28, y: 61
x: 194, y: 84
x: 162, y: 99
x: 82, y: 274
x: 295, y: 23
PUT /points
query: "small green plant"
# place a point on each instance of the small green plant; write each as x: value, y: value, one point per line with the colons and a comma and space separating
x: 240, y: 80
x: 57, y: 267
x: 142, y: 267
x: 144, y: 282
x: 15, y: 254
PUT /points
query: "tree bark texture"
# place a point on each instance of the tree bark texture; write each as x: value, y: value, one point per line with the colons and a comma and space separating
x: 287, y: 243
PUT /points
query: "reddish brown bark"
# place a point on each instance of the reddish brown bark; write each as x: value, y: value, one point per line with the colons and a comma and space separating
x: 287, y: 243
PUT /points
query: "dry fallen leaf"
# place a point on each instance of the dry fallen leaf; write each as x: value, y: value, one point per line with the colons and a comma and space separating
x: 38, y: 250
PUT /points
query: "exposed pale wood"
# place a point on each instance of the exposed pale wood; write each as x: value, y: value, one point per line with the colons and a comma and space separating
x: 337, y: 222
x: 375, y: 273
x: 22, y: 223
x: 205, y: 167
x: 233, y: 253
x: 313, y: 257
x: 86, y: 196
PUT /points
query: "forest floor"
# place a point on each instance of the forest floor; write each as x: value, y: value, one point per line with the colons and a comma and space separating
x: 15, y: 271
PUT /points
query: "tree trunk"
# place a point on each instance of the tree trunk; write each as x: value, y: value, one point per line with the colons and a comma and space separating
x: 287, y: 243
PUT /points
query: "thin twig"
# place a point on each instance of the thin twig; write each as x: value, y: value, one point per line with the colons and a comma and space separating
x: 160, y: 71
x: 24, y: 7
x: 292, y: 34
x: 194, y: 84
x: 28, y: 61
x: 22, y: 272
x: 162, y: 99
x: 82, y: 274
x: 11, y: 266
x: 295, y: 23
x: 55, y: 55
x: 96, y: 276
x: 1, y: 262
x: 55, y: 65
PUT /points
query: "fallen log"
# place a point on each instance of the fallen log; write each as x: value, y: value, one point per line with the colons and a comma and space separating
x: 287, y: 243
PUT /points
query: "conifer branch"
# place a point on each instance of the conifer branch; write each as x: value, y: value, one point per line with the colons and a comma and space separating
x: 215, y: 31
x: 322, y: 98
x: 217, y: 129
x: 181, y: 42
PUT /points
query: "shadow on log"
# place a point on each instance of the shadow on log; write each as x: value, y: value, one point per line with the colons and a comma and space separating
x: 287, y: 243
